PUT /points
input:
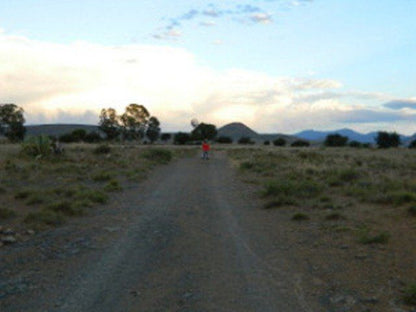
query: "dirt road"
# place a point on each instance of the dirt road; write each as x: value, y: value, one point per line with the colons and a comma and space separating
x: 191, y: 238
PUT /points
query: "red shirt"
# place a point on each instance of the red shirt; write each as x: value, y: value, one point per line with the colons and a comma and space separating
x: 205, y: 147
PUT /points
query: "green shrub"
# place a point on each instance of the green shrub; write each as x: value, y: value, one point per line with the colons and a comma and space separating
x: 366, y: 238
x: 355, y: 144
x: 246, y: 165
x: 113, y: 185
x: 281, y: 201
x: 279, y: 142
x: 224, y: 140
x: 158, y: 155
x: 66, y: 208
x: 47, y: 217
x: 6, y: 213
x: 402, y: 197
x: 412, y: 211
x: 334, y: 216
x: 245, y: 140
x: 300, y: 143
x: 35, y: 198
x: 36, y: 146
x: 409, y: 296
x: 93, y: 196
x: 22, y: 194
x: 102, y: 149
x: 335, y: 140
x: 300, y: 217
x: 102, y: 176
x: 290, y: 188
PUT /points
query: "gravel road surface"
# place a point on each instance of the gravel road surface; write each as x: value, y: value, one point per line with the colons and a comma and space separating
x: 190, y: 238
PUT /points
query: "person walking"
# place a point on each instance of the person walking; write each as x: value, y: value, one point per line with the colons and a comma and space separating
x: 205, y: 150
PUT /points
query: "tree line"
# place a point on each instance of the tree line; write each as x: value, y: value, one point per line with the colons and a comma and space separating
x: 136, y: 123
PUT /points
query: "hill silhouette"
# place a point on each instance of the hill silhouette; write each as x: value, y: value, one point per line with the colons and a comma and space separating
x: 237, y: 130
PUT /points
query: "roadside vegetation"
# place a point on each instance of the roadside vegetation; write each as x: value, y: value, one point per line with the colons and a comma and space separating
x: 352, y: 209
x: 39, y: 189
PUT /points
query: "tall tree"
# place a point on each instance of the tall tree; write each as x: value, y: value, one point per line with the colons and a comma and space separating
x: 204, y: 131
x: 109, y: 123
x: 153, y: 129
x: 335, y: 140
x: 135, y: 120
x: 386, y: 139
x: 11, y: 122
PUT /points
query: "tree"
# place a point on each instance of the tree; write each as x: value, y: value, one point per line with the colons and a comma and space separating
x: 335, y: 140
x: 153, y: 129
x: 279, y: 142
x: 300, y: 143
x: 181, y: 138
x: 79, y: 135
x: 355, y: 144
x: 412, y: 144
x: 386, y: 139
x: 204, y: 131
x: 11, y: 122
x: 92, y: 137
x: 224, y: 140
x: 135, y: 120
x: 165, y: 137
x: 245, y: 140
x: 109, y: 123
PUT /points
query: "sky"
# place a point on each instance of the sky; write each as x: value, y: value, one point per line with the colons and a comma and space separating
x: 276, y: 65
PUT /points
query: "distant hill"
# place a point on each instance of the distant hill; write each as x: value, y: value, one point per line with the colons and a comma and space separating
x: 352, y: 135
x: 236, y: 130
x: 57, y: 129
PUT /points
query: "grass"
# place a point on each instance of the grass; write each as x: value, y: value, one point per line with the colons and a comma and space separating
x: 292, y: 188
x: 65, y: 207
x: 299, y: 216
x: 279, y: 202
x: 44, y: 217
x: 409, y: 296
x: 24, y: 194
x: 158, y: 155
x: 367, y: 239
x: 334, y: 216
x: 47, y: 190
x: 102, y: 176
x: 112, y: 186
x: 412, y: 211
x: 6, y: 213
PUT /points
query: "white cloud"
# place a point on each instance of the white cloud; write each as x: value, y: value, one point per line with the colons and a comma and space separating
x: 263, y: 18
x: 73, y: 82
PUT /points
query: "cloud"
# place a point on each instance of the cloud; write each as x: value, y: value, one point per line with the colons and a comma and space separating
x: 239, y: 12
x: 400, y: 104
x: 207, y: 23
x: 263, y: 18
x: 373, y: 116
x: 71, y: 83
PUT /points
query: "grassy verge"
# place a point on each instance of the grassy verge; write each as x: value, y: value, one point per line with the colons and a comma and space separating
x: 357, y: 208
x: 40, y: 192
